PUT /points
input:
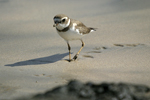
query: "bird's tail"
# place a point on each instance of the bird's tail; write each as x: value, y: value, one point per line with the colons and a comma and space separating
x: 92, y: 29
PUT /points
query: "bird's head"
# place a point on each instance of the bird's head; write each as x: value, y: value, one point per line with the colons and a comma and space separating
x: 61, y: 21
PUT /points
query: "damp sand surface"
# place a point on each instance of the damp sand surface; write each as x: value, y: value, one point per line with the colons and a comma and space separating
x: 33, y: 57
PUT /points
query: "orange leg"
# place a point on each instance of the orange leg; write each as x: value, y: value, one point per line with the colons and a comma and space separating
x: 76, y: 56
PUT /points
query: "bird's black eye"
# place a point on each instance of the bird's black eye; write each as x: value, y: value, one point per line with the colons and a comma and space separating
x: 63, y: 20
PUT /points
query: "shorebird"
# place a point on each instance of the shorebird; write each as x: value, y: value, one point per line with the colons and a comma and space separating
x: 70, y: 29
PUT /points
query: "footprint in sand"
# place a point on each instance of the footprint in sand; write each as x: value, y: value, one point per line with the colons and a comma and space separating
x: 88, y: 56
x: 43, y: 75
x: 128, y: 45
x: 95, y: 50
x: 100, y: 49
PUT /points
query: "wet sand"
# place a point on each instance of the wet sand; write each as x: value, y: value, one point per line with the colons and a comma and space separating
x: 33, y: 56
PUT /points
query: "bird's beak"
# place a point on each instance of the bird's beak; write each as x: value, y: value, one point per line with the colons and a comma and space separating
x: 54, y: 25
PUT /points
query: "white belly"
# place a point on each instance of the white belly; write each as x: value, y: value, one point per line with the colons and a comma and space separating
x: 70, y: 35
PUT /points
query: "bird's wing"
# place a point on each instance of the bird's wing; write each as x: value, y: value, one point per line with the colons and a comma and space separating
x: 82, y: 28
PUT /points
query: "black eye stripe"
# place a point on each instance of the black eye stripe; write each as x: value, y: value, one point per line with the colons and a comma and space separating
x: 57, y: 21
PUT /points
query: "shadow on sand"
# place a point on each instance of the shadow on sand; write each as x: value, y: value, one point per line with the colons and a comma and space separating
x: 38, y: 61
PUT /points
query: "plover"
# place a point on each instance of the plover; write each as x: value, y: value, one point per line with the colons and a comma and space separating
x: 70, y: 29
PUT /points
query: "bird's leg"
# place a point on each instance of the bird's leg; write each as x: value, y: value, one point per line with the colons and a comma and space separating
x: 69, y: 48
x: 76, y: 56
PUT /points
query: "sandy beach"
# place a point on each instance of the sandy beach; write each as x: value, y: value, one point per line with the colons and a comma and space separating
x: 33, y: 56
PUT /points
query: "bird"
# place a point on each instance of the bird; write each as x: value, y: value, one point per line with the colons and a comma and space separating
x: 71, y: 29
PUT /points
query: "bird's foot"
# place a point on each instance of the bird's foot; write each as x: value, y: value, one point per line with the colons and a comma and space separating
x: 75, y: 57
x: 70, y: 60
